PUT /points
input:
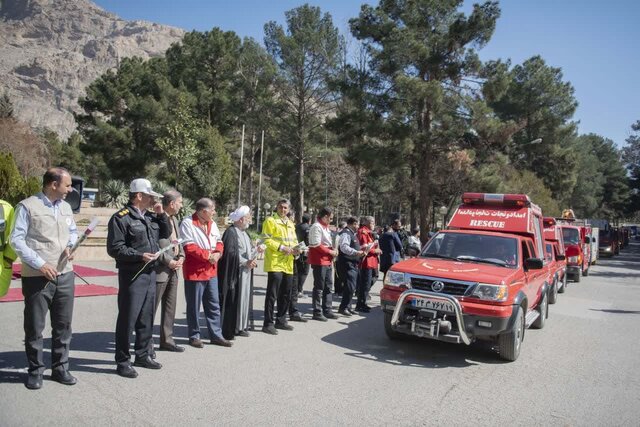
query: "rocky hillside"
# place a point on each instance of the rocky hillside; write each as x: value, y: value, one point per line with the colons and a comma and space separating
x: 50, y: 50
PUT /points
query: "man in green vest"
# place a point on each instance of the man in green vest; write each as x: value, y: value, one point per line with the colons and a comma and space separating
x: 43, y: 235
x: 8, y: 254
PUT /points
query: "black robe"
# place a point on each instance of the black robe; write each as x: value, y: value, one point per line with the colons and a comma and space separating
x: 229, y: 282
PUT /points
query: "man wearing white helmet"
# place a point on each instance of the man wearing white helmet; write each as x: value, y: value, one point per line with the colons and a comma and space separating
x: 133, y: 240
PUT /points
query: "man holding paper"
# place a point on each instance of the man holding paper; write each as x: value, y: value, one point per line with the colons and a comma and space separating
x: 132, y: 239
x: 43, y: 235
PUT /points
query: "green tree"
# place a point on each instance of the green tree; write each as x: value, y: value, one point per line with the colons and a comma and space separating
x: 206, y: 64
x: 306, y: 55
x: 179, y: 145
x: 11, y: 182
x: 542, y: 105
x: 424, y: 50
x: 631, y: 158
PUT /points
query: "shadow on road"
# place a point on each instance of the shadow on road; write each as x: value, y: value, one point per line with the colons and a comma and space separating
x: 365, y: 339
x: 615, y: 311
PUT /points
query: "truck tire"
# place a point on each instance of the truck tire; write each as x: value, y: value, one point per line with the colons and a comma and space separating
x: 543, y: 309
x: 553, y: 296
x: 509, y: 343
x: 564, y: 284
x: 392, y: 334
x: 576, y: 278
x: 586, y: 272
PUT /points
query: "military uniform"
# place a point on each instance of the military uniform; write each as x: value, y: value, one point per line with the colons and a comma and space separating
x: 130, y: 235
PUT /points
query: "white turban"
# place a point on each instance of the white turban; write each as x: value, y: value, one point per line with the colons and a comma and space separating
x: 239, y: 213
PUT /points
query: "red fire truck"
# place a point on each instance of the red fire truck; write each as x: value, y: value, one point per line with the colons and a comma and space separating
x: 555, y: 252
x: 576, y: 234
x: 483, y: 278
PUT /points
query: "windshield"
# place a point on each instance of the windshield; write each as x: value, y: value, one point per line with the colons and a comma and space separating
x: 502, y: 251
x: 570, y: 236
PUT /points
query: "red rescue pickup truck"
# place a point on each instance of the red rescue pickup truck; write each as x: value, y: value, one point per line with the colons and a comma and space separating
x: 555, y: 253
x: 483, y: 278
x: 578, y: 250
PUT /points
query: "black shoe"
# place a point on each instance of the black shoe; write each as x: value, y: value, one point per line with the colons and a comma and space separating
x: 351, y: 311
x: 345, y: 312
x: 284, y: 326
x: 270, y: 330
x: 172, y: 347
x: 127, y: 371
x: 34, y: 381
x: 196, y: 342
x: 221, y: 342
x: 63, y: 377
x: 297, y: 317
x: 319, y: 317
x: 243, y: 334
x: 148, y: 363
x: 330, y: 315
x: 364, y: 309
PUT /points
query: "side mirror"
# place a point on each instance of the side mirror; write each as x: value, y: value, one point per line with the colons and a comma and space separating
x: 533, y: 263
x: 560, y: 257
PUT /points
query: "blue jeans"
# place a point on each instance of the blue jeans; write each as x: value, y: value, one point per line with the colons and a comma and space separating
x: 205, y: 293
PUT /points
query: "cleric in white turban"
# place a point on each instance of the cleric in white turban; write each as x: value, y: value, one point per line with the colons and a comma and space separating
x: 234, y: 275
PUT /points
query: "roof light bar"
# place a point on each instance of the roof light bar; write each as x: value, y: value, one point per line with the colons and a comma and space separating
x: 519, y: 200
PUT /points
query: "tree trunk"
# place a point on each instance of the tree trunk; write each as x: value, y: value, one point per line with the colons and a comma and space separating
x: 413, y: 200
x: 358, y: 188
x: 300, y: 187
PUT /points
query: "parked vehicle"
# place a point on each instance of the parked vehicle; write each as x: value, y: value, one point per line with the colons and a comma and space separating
x: 578, y: 251
x: 555, y: 253
x: 483, y: 278
x: 608, y: 244
x: 594, y: 235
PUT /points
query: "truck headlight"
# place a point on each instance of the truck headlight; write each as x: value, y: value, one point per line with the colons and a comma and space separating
x: 489, y: 292
x: 573, y: 259
x: 396, y: 279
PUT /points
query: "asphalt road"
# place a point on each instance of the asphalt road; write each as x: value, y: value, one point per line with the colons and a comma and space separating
x: 581, y: 369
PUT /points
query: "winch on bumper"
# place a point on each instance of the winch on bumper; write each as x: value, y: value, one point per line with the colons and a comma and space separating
x: 439, y: 316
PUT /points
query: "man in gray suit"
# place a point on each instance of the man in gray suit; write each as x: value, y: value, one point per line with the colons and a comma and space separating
x: 168, y: 266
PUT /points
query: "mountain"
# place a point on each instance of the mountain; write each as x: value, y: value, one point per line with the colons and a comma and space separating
x: 51, y: 50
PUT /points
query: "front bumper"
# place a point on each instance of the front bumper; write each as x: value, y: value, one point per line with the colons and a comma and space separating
x: 573, y: 269
x: 453, y: 327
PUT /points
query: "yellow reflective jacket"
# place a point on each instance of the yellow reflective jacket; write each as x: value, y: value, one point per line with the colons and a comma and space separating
x: 7, y: 219
x: 281, y: 232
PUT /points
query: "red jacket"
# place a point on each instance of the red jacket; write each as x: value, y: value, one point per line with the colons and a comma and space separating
x: 196, y: 261
x: 365, y: 237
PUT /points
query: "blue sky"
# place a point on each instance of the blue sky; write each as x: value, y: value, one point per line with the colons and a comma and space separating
x: 595, y: 43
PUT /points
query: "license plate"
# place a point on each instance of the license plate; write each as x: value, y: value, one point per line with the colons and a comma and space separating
x: 432, y: 304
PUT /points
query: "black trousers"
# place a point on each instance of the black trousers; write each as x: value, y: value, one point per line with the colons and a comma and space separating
x: 278, y: 288
x: 338, y: 281
x: 365, y: 281
x: 293, y: 295
x: 301, y: 272
x: 42, y: 296
x: 322, y: 288
x: 349, y: 273
x: 136, y: 301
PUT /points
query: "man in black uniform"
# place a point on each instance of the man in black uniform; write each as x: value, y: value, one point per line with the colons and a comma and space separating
x: 349, y: 257
x: 132, y: 240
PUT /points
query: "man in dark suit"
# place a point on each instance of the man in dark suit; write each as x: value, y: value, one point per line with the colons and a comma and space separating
x: 168, y: 266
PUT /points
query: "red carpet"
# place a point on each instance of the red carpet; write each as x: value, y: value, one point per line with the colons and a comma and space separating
x: 15, y: 294
x: 81, y: 270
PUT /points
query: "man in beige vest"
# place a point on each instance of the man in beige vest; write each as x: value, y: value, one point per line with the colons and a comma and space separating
x: 43, y: 234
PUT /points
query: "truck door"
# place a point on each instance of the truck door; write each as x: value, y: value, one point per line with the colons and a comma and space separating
x: 534, y: 278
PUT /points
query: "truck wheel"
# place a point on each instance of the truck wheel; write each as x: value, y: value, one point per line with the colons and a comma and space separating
x: 577, y: 276
x: 543, y: 309
x: 553, y: 297
x: 510, y: 342
x: 586, y: 272
x: 564, y: 284
x: 392, y: 334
